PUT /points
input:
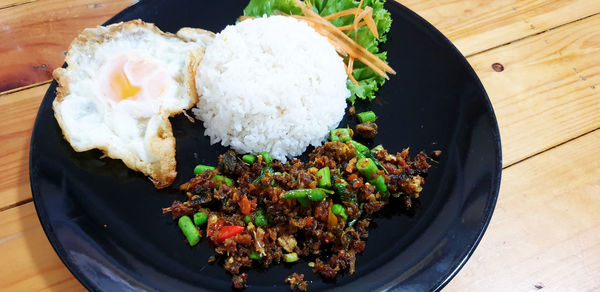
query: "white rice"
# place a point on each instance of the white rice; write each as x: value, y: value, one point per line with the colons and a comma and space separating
x: 270, y: 84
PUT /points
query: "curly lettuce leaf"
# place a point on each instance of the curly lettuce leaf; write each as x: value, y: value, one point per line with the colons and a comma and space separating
x: 258, y: 8
x: 368, y: 81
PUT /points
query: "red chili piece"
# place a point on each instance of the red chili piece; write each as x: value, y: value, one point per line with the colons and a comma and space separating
x: 229, y: 231
x: 211, y: 228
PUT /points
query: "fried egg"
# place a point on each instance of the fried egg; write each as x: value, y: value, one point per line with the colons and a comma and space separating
x: 121, y: 85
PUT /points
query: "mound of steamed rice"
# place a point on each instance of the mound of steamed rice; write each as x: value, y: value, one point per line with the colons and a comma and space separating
x: 270, y: 84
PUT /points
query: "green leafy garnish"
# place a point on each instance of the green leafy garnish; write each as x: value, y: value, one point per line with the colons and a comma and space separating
x: 258, y: 8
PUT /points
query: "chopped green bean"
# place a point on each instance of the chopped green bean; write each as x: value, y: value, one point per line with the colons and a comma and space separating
x: 273, y: 182
x: 376, y: 149
x: 267, y: 157
x: 340, y: 135
x: 367, y: 168
x: 249, y: 158
x: 316, y: 194
x: 255, y: 256
x: 247, y: 219
x: 360, y: 148
x: 200, y: 168
x: 260, y: 220
x: 379, y: 183
x: 200, y: 218
x: 341, y: 188
x: 219, y: 180
x: 339, y: 210
x: 302, y: 202
x: 290, y: 257
x: 363, y: 151
x: 366, y: 117
x: 189, y: 230
x: 295, y: 194
x: 324, y: 176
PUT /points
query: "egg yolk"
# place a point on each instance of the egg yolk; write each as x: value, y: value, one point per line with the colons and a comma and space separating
x: 121, y: 86
x: 133, y: 77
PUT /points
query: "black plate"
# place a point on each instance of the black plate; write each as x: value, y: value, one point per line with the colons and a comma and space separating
x: 105, y: 221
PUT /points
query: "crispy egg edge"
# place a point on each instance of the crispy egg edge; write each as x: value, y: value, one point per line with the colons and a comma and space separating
x: 163, y: 172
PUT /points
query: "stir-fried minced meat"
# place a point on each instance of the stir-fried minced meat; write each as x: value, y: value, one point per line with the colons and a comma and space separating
x: 367, y: 130
x: 297, y: 282
x: 239, y: 281
x: 267, y: 213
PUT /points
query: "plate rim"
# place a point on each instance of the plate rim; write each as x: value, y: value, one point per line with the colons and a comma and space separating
x: 491, y: 203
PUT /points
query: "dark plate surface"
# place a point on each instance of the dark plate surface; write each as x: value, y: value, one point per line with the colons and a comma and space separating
x: 105, y: 221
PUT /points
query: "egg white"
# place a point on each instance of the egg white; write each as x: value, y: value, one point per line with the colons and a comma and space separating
x: 135, y: 130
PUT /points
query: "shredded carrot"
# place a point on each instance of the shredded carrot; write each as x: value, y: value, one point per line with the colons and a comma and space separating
x: 244, y: 17
x: 350, y: 69
x: 343, y: 44
x: 351, y: 26
x: 350, y: 76
x: 342, y: 13
x: 371, y: 23
x: 350, y: 65
x: 361, y: 16
x: 356, y: 14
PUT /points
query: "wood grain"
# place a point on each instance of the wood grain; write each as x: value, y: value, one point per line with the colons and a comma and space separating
x: 18, y: 116
x: 35, y: 35
x: 549, y: 91
x: 477, y: 25
x: 37, y: 32
x: 28, y: 261
x: 545, y: 230
x: 12, y: 3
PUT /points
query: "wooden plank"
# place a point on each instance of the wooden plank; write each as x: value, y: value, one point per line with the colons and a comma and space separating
x: 29, y: 262
x: 12, y: 3
x: 477, y: 25
x: 556, y: 243
x: 37, y: 32
x: 35, y: 36
x: 18, y: 110
x: 545, y: 230
x: 549, y: 91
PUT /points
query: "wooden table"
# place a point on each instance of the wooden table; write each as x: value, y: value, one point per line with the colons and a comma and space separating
x: 545, y: 231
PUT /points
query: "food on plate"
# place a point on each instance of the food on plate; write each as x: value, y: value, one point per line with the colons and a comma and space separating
x: 275, y: 84
x: 299, y: 80
x: 367, y: 22
x: 367, y: 128
x: 268, y: 87
x: 270, y: 84
x: 122, y: 83
x: 261, y: 211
